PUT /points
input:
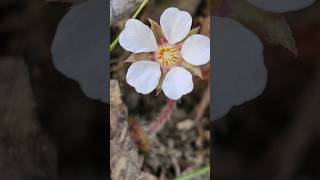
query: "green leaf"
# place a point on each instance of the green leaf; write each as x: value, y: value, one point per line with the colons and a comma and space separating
x: 195, y: 174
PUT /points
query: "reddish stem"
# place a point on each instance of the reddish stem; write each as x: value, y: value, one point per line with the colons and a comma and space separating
x: 157, y: 124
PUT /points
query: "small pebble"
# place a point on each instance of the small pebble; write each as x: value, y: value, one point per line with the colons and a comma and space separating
x: 185, y: 125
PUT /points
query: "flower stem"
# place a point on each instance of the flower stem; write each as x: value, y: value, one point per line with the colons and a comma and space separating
x: 135, y: 15
x: 114, y: 43
x: 194, y: 174
x: 157, y: 124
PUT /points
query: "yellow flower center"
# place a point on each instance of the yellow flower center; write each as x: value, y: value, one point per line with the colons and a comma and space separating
x: 167, y: 56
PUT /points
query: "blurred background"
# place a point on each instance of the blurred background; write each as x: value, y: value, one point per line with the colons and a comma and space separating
x: 276, y: 136
x: 48, y: 128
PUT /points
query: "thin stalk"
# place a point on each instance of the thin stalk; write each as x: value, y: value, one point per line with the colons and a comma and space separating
x: 194, y: 174
x: 164, y: 116
x: 135, y: 15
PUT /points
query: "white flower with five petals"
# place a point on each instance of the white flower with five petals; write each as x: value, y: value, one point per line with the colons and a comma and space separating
x: 170, y: 54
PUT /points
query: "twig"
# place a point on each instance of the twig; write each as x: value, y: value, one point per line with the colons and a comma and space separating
x: 204, y: 103
x: 200, y: 110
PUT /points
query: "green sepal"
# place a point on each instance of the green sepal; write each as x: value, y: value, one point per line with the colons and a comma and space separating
x: 156, y: 29
x: 134, y: 57
x: 196, y: 71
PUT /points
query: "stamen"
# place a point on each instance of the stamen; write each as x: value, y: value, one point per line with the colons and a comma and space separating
x: 167, y: 56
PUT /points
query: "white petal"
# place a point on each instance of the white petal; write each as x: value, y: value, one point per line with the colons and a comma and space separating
x: 79, y: 47
x: 137, y: 37
x: 239, y: 73
x: 177, y: 83
x: 280, y: 6
x: 144, y: 76
x: 196, y: 50
x: 175, y: 24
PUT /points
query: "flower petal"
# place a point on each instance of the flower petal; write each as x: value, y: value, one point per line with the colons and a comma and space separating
x: 79, y: 47
x: 280, y: 6
x: 177, y: 83
x: 144, y: 76
x: 239, y: 73
x: 175, y: 24
x: 196, y: 50
x: 137, y: 37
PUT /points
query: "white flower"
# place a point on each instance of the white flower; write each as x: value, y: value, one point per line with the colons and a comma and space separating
x: 239, y: 73
x: 169, y: 54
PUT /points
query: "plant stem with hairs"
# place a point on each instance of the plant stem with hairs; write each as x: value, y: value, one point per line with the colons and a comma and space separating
x: 165, y: 115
